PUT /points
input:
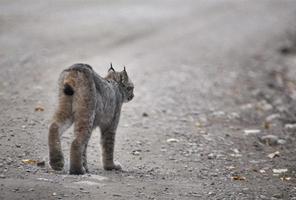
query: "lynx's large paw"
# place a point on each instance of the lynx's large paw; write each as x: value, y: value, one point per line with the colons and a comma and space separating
x: 114, y: 166
x: 57, y: 162
x: 77, y: 171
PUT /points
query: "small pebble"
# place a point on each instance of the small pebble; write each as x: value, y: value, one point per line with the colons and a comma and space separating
x: 279, y: 171
x: 233, y: 115
x: 281, y: 141
x: 214, y: 174
x: 136, y: 152
x: 211, y: 156
x: 278, y: 196
x: 271, y: 140
x: 145, y: 114
x: 274, y: 154
x: 263, y: 105
x: 272, y: 117
x: 251, y: 131
x: 263, y: 197
x: 172, y: 140
x: 290, y: 127
x: 218, y: 113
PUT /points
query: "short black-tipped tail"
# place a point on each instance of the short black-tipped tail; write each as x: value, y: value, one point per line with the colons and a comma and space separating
x: 68, y: 90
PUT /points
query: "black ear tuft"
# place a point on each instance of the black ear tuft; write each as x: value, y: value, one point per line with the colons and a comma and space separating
x: 111, y: 68
x: 124, y: 71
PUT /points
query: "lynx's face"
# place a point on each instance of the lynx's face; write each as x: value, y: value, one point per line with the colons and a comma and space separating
x: 128, y: 88
x: 124, y: 81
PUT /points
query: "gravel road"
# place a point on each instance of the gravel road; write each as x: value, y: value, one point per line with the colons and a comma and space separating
x: 203, y: 99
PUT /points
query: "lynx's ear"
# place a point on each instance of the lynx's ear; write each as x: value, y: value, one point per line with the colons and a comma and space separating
x: 124, y: 71
x: 123, y: 76
x: 111, y: 68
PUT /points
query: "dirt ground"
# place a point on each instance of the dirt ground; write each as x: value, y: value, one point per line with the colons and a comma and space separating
x: 213, y: 115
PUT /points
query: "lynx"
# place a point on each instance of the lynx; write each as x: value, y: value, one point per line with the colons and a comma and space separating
x: 89, y: 101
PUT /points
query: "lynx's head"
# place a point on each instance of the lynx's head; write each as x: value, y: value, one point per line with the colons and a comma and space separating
x: 124, y: 82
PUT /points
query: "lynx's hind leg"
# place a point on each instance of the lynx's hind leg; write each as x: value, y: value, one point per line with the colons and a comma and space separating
x: 82, y: 130
x: 62, y: 120
x: 84, y: 103
x: 84, y: 158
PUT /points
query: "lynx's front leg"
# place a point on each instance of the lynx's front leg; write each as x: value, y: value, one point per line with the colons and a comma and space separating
x: 107, y: 143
